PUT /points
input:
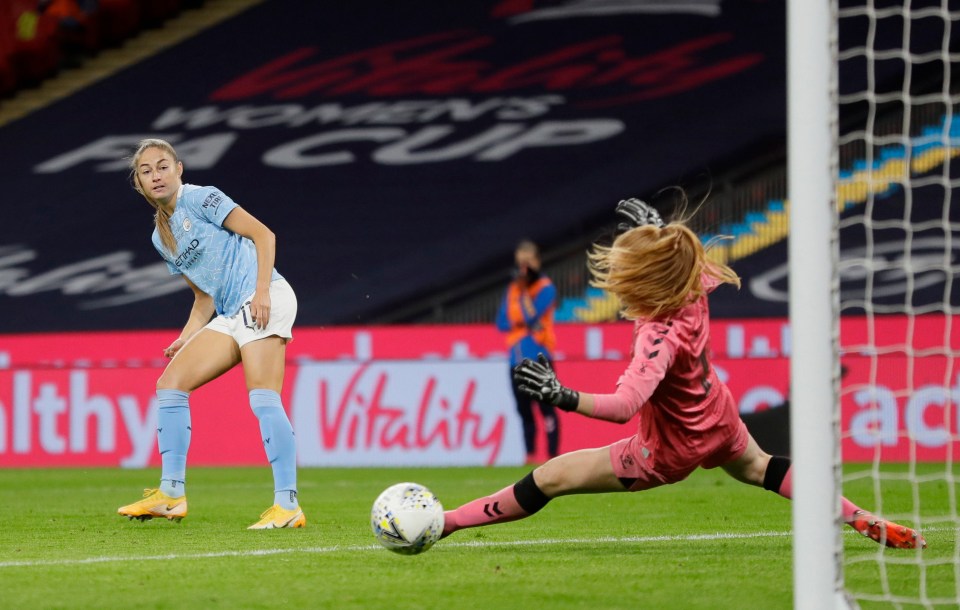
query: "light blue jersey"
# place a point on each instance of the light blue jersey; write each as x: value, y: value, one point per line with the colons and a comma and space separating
x: 218, y: 261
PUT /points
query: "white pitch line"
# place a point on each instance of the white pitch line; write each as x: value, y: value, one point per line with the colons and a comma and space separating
x: 376, y: 547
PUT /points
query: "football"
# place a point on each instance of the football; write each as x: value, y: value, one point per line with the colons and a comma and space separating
x: 407, y: 518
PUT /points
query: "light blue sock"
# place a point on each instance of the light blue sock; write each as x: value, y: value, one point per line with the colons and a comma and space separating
x: 279, y: 444
x: 173, y: 440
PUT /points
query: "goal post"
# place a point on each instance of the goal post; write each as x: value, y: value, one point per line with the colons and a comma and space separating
x: 874, y: 264
x: 813, y: 255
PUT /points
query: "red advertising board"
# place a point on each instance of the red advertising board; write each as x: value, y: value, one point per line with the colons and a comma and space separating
x: 440, y: 395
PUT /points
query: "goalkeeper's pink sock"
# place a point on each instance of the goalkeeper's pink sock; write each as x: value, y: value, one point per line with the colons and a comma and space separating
x: 781, y: 468
x: 509, y: 504
x: 497, y: 508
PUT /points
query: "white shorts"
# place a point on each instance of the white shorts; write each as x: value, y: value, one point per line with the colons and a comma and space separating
x: 283, y: 311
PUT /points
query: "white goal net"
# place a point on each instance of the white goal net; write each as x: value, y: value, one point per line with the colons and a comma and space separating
x: 899, y: 235
x: 875, y: 256
x: 895, y: 289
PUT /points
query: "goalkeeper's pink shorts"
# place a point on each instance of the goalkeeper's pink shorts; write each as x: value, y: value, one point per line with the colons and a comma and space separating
x: 662, y: 453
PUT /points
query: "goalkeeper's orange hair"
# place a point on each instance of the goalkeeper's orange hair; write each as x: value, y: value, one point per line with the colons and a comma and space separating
x: 655, y: 271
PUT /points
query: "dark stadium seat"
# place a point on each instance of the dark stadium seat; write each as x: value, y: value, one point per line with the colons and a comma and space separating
x: 119, y: 20
x: 8, y: 78
x: 36, y: 51
x: 155, y: 13
x: 78, y: 28
x: 40, y: 37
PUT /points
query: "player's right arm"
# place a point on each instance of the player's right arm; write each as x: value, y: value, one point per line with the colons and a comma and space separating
x: 201, y: 312
x: 655, y: 346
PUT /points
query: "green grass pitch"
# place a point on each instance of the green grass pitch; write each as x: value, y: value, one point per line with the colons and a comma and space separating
x: 708, y: 542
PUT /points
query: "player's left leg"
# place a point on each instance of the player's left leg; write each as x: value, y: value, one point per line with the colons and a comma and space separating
x: 756, y: 467
x: 263, y: 367
x: 584, y: 471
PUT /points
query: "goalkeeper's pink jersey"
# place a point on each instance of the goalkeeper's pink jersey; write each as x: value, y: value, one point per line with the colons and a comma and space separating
x: 688, y: 418
x: 671, y: 379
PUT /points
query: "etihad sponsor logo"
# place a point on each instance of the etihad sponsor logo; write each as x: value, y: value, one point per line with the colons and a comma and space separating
x: 189, y: 256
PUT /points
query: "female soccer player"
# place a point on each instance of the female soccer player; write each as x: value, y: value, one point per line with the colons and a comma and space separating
x: 226, y: 257
x: 688, y: 418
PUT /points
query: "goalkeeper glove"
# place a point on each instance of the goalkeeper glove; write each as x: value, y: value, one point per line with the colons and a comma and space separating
x: 637, y: 213
x: 538, y: 381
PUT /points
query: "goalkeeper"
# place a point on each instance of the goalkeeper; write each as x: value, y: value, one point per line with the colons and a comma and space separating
x: 688, y: 418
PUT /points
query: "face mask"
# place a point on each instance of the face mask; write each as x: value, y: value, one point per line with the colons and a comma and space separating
x: 531, y: 276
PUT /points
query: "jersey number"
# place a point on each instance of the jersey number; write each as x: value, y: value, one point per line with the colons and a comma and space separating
x: 705, y: 372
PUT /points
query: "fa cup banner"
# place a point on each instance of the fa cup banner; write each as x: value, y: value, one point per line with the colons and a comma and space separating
x: 375, y: 128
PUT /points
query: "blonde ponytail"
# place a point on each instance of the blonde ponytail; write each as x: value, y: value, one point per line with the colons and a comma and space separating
x: 655, y: 271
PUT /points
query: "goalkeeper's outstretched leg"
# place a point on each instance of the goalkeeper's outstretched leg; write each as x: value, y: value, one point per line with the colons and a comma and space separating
x: 757, y: 467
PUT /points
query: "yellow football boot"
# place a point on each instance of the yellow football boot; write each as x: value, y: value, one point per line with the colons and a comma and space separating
x: 277, y: 517
x: 155, y: 503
